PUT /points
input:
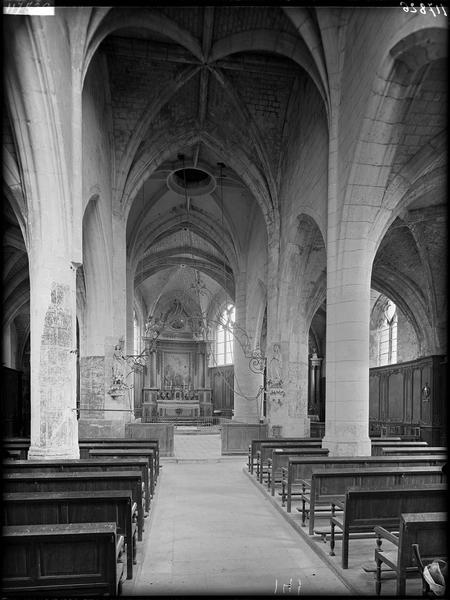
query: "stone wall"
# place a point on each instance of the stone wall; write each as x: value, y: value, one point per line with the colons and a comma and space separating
x: 92, y: 385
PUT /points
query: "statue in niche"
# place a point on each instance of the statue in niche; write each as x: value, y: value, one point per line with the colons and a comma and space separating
x: 275, y: 367
x: 118, y: 366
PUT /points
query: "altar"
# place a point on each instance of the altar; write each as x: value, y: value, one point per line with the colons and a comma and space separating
x: 175, y: 404
x: 176, y: 382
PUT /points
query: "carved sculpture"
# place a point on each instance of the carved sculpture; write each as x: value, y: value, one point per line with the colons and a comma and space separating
x: 275, y: 367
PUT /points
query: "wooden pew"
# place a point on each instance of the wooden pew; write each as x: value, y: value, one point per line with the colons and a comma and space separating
x: 279, y: 459
x: 328, y: 483
x: 264, y: 453
x: 61, y: 560
x: 16, y: 448
x: 14, y: 439
x: 363, y: 510
x: 86, y: 444
x: 389, y: 451
x: 264, y: 457
x: 121, y: 453
x: 79, y: 481
x: 301, y: 468
x: 378, y: 444
x: 266, y: 448
x: 19, y: 446
x: 427, y: 530
x: 291, y: 442
x: 255, y: 445
x: 39, y: 508
x: 81, y: 464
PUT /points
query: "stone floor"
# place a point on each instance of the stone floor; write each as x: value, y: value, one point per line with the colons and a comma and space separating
x: 360, y: 576
x: 213, y: 530
x: 188, y: 446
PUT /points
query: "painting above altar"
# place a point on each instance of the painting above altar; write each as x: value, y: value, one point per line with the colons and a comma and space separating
x: 177, y: 370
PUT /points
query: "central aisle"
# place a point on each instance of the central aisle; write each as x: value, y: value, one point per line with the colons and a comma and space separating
x: 211, y: 532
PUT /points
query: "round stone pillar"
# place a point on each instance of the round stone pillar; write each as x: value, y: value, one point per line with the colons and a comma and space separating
x: 347, y: 355
x: 247, y: 388
x: 54, y: 427
x: 315, y: 365
x: 287, y: 394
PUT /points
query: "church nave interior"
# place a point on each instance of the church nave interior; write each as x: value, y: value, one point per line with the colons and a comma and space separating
x: 222, y: 225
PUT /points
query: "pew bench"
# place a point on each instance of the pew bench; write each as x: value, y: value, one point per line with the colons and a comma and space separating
x: 300, y: 469
x: 150, y: 451
x: 425, y: 530
x: 16, y: 449
x: 421, y: 451
x: 264, y: 451
x: 264, y: 467
x: 81, y: 464
x: 86, y: 444
x: 76, y: 559
x: 40, y: 508
x: 377, y: 445
x: 315, y: 442
x: 255, y: 445
x: 362, y: 510
x: 122, y: 453
x: 328, y: 483
x: 279, y: 459
x: 80, y: 482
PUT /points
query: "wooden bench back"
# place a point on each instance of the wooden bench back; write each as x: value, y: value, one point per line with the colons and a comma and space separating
x: 390, y: 451
x: 79, y: 481
x: 378, y: 445
x: 331, y: 482
x: 120, y: 453
x: 267, y: 449
x: 428, y: 530
x: 85, y: 446
x: 302, y: 467
x: 88, y: 464
x: 116, y: 440
x: 66, y: 559
x: 38, y: 508
x: 255, y: 445
x: 34, y: 508
x: 19, y: 446
x: 398, y: 442
x: 16, y: 449
x: 281, y: 456
x: 366, y: 508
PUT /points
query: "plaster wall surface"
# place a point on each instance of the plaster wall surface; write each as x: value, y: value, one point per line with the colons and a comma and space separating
x: 304, y: 169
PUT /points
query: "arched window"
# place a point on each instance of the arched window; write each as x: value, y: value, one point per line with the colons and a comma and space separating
x: 387, y: 332
x: 224, y: 337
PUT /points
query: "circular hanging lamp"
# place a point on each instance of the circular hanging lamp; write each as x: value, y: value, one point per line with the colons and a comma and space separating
x: 194, y: 181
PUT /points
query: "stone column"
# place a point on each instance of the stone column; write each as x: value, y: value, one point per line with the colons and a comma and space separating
x: 287, y: 396
x: 152, y: 369
x: 247, y: 386
x: 118, y: 402
x: 314, y: 389
x: 246, y: 383
x: 54, y: 427
x: 347, y: 340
